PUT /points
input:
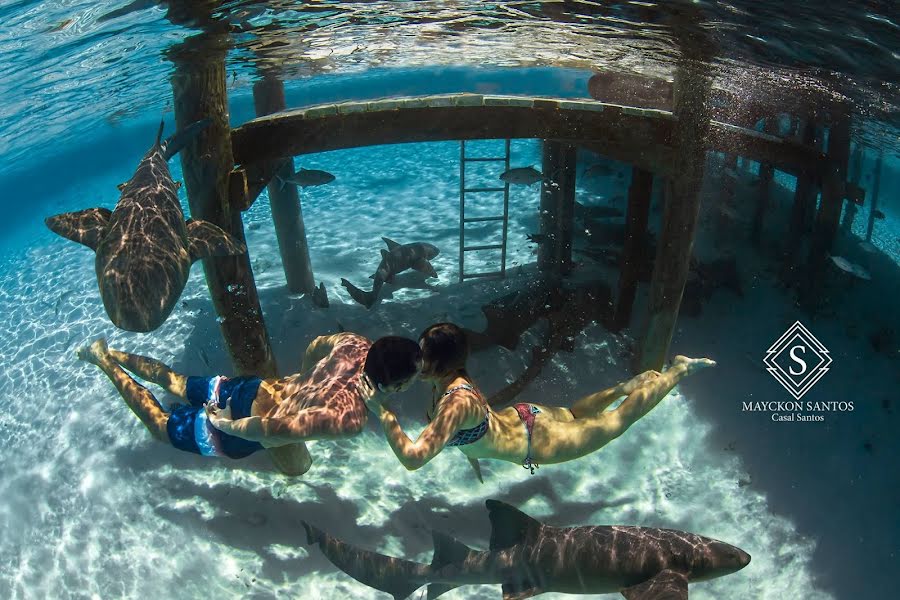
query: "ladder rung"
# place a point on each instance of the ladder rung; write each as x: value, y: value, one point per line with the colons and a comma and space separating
x: 476, y: 275
x: 479, y: 219
x: 484, y: 189
x: 484, y: 159
x: 485, y: 247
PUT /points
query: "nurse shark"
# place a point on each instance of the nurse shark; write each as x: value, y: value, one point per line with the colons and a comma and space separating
x: 144, y: 247
x: 396, y: 259
x: 528, y: 558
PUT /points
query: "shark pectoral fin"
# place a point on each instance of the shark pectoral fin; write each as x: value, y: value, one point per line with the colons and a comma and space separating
x: 391, y: 244
x: 477, y: 468
x: 509, y: 525
x: 85, y: 226
x: 423, y: 266
x: 665, y: 585
x: 515, y: 591
x: 438, y: 589
x: 206, y: 239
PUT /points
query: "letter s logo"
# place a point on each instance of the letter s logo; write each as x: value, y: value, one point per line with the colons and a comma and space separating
x: 799, y: 360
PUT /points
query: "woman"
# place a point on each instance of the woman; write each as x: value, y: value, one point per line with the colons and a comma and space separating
x: 243, y: 415
x: 530, y: 434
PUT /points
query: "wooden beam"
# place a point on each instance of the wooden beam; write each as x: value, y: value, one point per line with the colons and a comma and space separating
x: 635, y: 248
x: 284, y: 199
x: 557, y: 207
x: 876, y: 187
x: 855, y: 170
x: 199, y: 87
x: 763, y: 196
x: 805, y: 194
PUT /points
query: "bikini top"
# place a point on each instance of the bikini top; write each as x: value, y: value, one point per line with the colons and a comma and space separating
x: 464, y: 437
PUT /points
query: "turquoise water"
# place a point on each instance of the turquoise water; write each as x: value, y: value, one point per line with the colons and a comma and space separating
x: 91, y: 506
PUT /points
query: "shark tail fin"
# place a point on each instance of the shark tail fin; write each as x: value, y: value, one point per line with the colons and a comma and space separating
x: 367, y: 299
x: 180, y: 139
x: 509, y: 525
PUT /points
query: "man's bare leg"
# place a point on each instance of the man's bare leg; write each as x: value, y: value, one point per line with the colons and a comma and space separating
x: 138, y: 398
x: 151, y: 370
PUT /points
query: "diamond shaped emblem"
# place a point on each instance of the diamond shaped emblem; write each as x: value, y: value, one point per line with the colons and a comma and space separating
x: 797, y: 360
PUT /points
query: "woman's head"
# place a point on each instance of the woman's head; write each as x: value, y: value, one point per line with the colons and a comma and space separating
x: 445, y: 350
x: 393, y: 362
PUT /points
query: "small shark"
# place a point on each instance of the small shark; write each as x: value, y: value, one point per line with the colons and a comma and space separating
x: 144, y: 248
x: 306, y: 178
x: 522, y: 176
x: 529, y: 558
x: 396, y: 259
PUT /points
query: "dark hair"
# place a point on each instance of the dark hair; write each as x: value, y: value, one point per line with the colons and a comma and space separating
x: 445, y: 348
x: 392, y: 359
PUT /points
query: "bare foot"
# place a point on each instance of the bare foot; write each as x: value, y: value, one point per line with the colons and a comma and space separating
x: 96, y: 353
x: 691, y: 365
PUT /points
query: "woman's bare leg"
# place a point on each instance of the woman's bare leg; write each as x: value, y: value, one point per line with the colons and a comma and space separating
x: 152, y: 370
x: 586, y: 435
x: 138, y: 398
x: 594, y: 404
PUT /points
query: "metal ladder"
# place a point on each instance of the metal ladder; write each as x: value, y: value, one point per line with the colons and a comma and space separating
x: 463, y: 190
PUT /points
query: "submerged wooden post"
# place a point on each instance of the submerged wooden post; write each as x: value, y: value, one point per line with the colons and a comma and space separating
x: 682, y: 207
x: 855, y: 170
x: 200, y: 91
x: 876, y: 186
x: 634, y: 252
x: 828, y: 217
x: 805, y: 194
x: 557, y: 207
x: 766, y: 173
x: 287, y: 214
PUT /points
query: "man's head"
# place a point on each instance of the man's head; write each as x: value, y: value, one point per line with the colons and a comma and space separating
x: 445, y: 350
x: 392, y: 363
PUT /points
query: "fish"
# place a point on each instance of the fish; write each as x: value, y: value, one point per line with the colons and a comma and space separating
x: 868, y: 248
x: 306, y: 178
x: 144, y: 248
x: 848, y: 267
x: 878, y: 214
x: 522, y: 176
x: 528, y: 558
x: 396, y: 259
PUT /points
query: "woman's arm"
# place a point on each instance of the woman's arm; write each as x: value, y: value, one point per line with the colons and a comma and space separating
x: 415, y: 454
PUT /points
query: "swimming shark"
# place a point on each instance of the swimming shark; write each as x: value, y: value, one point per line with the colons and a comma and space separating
x: 528, y: 558
x: 144, y: 247
x: 396, y: 259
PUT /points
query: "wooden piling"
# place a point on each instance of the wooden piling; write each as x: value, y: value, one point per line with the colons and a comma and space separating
x: 855, y: 170
x: 763, y: 197
x: 876, y: 187
x: 682, y: 206
x: 199, y: 88
x: 287, y: 213
x: 557, y: 207
x: 829, y: 214
x: 805, y: 194
x: 635, y: 248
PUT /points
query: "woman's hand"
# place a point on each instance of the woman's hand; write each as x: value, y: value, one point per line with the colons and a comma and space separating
x: 370, y: 395
x: 218, y: 416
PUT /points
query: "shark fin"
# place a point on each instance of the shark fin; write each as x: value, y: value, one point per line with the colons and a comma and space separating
x: 391, y: 244
x: 162, y: 125
x: 121, y: 186
x: 365, y: 298
x: 509, y: 525
x: 665, y: 585
x: 320, y: 296
x: 180, y: 139
x: 85, y: 226
x: 476, y: 467
x: 206, y: 239
x: 438, y: 589
x: 514, y: 591
x: 447, y: 550
x: 385, y: 255
x: 423, y: 266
